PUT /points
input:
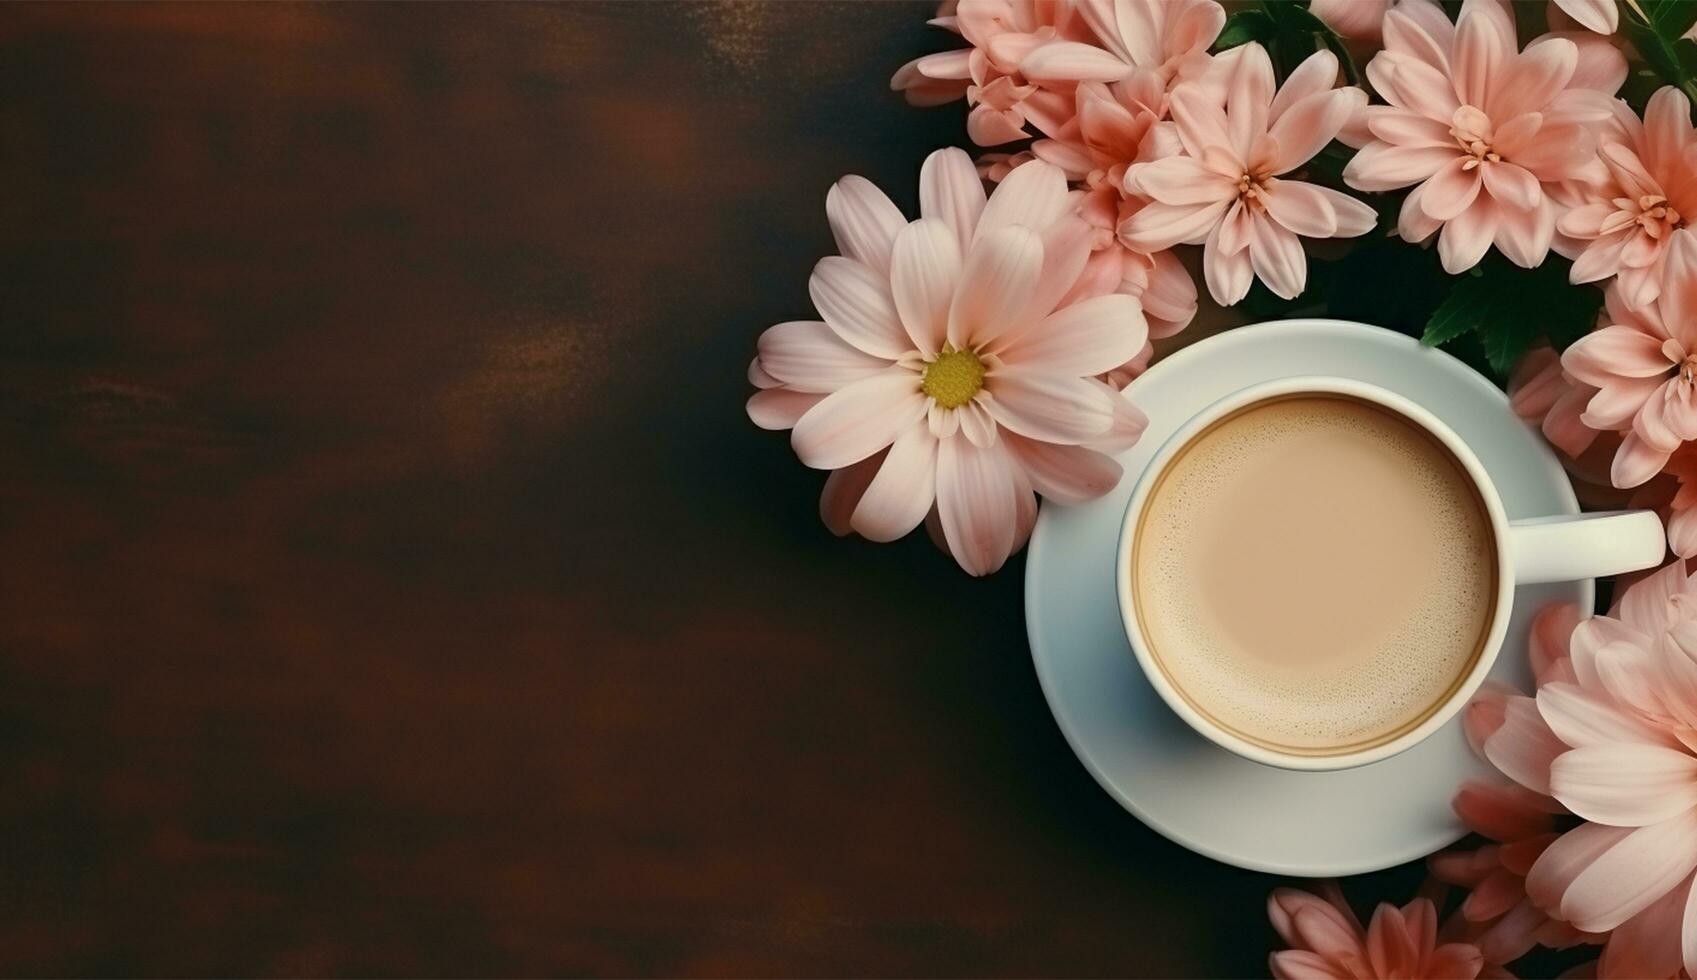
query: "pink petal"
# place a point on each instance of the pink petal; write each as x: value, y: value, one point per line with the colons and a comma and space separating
x: 1647, y: 945
x: 996, y: 285
x: 1478, y: 55
x: 1533, y: 78
x: 1512, y: 185
x: 1300, y: 964
x: 1049, y: 408
x: 857, y: 421
x: 1406, y: 35
x: 1091, y: 337
x: 924, y: 269
x: 1128, y: 424
x: 1688, y: 931
x: 808, y: 356
x: 1182, y: 181
x: 1317, y: 73
x: 975, y: 504
x: 779, y: 408
x: 1502, y: 812
x: 1667, y: 128
x: 1228, y: 274
x: 1413, y: 225
x: 1066, y: 250
x: 901, y: 494
x: 758, y: 377
x: 1161, y: 226
x: 856, y: 302
x: 1034, y: 195
x: 1277, y: 257
x: 1644, y: 606
x: 1466, y: 236
x: 1524, y: 746
x: 1612, y: 407
x: 1584, y: 721
x: 1451, y: 190
x: 1594, y: 15
x: 1318, y: 927
x: 1552, y: 630
x: 1455, y: 960
x: 1679, y: 286
x: 1404, y: 128
x: 950, y: 189
x: 1601, y: 65
x: 1513, y: 935
x: 1556, y: 152
x: 1071, y: 61
x: 1636, y: 462
x: 1390, y: 946
x: 1628, y: 785
x: 1201, y: 123
x: 1310, y: 124
x: 1423, y: 89
x: 1524, y: 236
x: 1682, y: 533
x: 863, y: 221
x: 1585, y: 221
x: 1303, y: 208
x: 1386, y: 167
x: 989, y: 127
x: 977, y: 424
x: 1064, y: 474
x: 843, y: 489
x: 1613, y: 352
x: 1632, y: 874
x: 1169, y: 296
x: 1566, y: 859
x: 1350, y: 18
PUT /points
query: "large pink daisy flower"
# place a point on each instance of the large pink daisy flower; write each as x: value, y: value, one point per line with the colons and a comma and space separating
x: 946, y: 371
x: 1229, y: 191
x: 1483, y: 129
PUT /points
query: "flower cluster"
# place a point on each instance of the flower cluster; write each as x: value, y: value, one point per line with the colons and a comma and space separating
x: 1327, y: 940
x: 1594, y: 839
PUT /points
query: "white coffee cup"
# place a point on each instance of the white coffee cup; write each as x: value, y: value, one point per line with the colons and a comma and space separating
x: 1547, y: 549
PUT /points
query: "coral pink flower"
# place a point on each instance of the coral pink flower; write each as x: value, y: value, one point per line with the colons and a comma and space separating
x: 1644, y: 364
x: 1327, y: 940
x: 987, y: 74
x: 1628, y: 218
x: 1612, y: 736
x: 944, y: 347
x: 1227, y: 191
x: 1482, y: 128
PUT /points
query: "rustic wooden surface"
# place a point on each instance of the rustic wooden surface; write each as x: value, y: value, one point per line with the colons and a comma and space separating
x: 390, y: 581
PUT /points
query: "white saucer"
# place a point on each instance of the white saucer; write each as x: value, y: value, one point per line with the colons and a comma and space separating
x: 1174, y: 780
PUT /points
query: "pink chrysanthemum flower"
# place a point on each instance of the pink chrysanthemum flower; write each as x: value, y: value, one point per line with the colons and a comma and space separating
x: 1229, y: 191
x: 1645, y: 196
x: 1501, y: 918
x: 1643, y: 363
x: 1483, y: 129
x: 987, y: 74
x: 946, y: 360
x: 1612, y: 736
x: 1328, y: 941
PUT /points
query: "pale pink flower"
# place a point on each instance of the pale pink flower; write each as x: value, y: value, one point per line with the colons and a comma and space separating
x: 987, y: 74
x: 1644, y: 364
x: 1482, y: 128
x: 1612, y: 736
x: 1327, y: 940
x: 1228, y: 191
x: 1166, y: 40
x: 945, y: 347
x: 1648, y: 190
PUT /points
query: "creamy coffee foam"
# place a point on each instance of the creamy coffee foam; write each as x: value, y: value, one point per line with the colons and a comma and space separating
x: 1315, y: 573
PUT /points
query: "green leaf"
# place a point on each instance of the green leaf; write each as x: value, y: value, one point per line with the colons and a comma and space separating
x: 1509, y: 309
x: 1243, y: 27
x: 1672, y: 18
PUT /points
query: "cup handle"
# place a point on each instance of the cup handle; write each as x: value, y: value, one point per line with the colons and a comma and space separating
x: 1569, y: 547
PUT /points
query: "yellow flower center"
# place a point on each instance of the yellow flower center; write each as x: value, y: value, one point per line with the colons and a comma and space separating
x: 953, y: 378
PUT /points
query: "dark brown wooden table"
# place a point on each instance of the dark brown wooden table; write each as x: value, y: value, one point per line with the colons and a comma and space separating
x: 390, y: 580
